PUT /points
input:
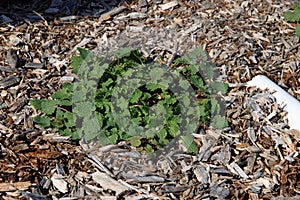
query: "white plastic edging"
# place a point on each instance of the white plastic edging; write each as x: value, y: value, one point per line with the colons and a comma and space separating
x: 282, y: 97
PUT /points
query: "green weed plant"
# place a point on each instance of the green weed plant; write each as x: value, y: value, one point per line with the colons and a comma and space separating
x: 102, y: 73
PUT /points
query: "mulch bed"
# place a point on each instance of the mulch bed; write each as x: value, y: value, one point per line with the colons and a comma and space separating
x: 257, y: 157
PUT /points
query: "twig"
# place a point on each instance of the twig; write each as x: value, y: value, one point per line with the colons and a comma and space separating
x: 38, y: 14
x: 171, y: 59
x: 112, y: 13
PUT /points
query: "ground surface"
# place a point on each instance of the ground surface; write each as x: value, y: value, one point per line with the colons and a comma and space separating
x: 257, y: 157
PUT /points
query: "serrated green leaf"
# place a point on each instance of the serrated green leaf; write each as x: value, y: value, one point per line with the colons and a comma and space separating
x: 219, y: 122
x: 154, y: 86
x: 173, y: 128
x: 290, y: 16
x: 298, y: 30
x: 186, y: 101
x: 170, y: 100
x: 136, y: 96
x: 122, y: 52
x: 113, y: 138
x: 49, y: 106
x: 193, y: 69
x: 69, y: 119
x: 66, y: 132
x: 162, y: 134
x: 84, y: 109
x: 184, y: 84
x: 91, y: 128
x: 36, y: 103
x: 215, y: 106
x: 65, y: 93
x: 197, y: 81
x: 76, y: 63
x: 65, y: 102
x: 148, y: 148
x: 59, y: 115
x: 135, y: 141
x: 83, y: 52
x: 45, y: 105
x: 43, y: 121
x: 188, y: 141
x: 75, y: 136
x: 219, y: 87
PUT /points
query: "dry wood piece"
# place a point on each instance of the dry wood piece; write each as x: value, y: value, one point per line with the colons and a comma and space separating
x: 108, y: 183
x: 112, y: 13
x: 9, y: 187
x: 9, y: 81
x: 59, y: 183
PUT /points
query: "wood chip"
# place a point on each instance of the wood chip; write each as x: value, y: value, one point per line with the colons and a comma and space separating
x: 108, y: 183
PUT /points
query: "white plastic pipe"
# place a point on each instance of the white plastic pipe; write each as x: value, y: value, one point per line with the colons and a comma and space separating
x: 292, y: 104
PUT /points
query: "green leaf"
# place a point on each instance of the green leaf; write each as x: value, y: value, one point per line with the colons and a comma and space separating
x: 113, y: 138
x: 91, y: 128
x: 66, y: 132
x: 197, y: 81
x: 77, y: 61
x: 45, y: 105
x: 65, y: 93
x: 163, y: 142
x: 49, y: 106
x: 123, y: 52
x: 80, y: 95
x: 83, y: 53
x: 173, y: 128
x: 219, y: 122
x: 135, y: 141
x: 69, y: 119
x: 84, y: 109
x: 298, y: 30
x: 154, y: 86
x: 162, y: 134
x: 188, y: 141
x: 293, y: 16
x: 193, y: 69
x: 186, y: 101
x: 43, y: 121
x: 184, y: 84
x: 290, y: 16
x: 215, y: 106
x: 219, y: 87
x: 65, y: 103
x: 135, y: 96
x: 36, y: 103
x: 148, y: 148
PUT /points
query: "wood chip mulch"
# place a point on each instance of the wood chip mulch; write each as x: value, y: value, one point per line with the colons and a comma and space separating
x: 256, y: 157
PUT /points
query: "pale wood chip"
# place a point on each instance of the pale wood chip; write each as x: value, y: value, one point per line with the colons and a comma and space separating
x: 168, y: 5
x: 108, y: 183
x: 239, y: 170
x: 59, y: 183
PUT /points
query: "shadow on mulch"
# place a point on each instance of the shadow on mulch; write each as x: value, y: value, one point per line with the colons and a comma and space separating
x: 18, y: 11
